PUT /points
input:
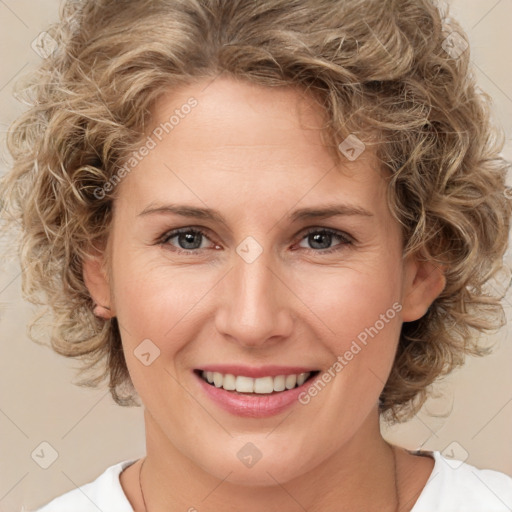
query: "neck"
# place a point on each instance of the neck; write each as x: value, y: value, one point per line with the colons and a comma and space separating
x: 359, y: 475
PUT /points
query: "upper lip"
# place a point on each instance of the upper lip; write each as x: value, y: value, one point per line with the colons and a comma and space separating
x: 255, y: 372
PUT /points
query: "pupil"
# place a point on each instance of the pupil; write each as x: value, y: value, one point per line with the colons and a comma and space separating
x: 187, y: 239
x: 317, y: 239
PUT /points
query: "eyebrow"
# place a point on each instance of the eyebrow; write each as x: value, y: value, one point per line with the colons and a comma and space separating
x: 300, y: 214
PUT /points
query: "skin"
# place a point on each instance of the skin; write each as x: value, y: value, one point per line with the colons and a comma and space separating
x: 255, y: 154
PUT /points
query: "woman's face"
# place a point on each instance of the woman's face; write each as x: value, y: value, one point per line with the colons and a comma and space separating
x: 252, y: 282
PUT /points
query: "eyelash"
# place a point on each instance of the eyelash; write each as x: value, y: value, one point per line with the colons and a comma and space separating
x: 345, y: 238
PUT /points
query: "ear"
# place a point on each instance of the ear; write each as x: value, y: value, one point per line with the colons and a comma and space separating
x: 423, y: 282
x: 97, y: 282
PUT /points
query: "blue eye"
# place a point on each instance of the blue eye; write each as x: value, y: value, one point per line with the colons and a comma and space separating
x: 187, y: 238
x: 190, y: 240
x: 322, y: 239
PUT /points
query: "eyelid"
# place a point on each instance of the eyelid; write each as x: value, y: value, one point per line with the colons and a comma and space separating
x: 171, y: 233
x: 301, y: 235
x: 332, y: 231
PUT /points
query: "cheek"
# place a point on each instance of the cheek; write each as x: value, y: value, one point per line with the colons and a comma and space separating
x: 152, y: 298
x: 349, y: 300
x: 156, y: 307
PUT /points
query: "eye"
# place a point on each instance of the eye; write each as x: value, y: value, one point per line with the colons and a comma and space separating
x: 321, y: 239
x: 187, y: 239
x: 191, y: 240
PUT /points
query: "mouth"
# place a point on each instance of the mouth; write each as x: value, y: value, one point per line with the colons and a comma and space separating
x: 266, y: 385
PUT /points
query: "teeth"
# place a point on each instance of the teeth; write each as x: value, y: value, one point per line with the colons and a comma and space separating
x: 245, y: 384
x: 290, y: 381
x: 217, y: 379
x: 228, y: 382
x: 261, y: 385
x: 301, y: 379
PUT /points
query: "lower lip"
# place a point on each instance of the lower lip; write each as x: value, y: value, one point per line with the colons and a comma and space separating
x: 256, y: 405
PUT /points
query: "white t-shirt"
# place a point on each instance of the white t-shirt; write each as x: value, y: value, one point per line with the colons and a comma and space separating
x: 453, y: 486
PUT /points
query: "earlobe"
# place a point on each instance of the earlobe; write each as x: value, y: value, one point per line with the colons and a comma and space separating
x: 96, y: 281
x: 423, y: 283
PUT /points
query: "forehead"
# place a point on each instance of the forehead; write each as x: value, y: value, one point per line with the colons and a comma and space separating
x: 231, y: 134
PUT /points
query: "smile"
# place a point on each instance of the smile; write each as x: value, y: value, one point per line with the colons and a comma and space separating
x: 261, y: 385
x: 254, y: 392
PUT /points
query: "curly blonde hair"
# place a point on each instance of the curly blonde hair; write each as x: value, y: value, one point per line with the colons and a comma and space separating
x: 383, y: 70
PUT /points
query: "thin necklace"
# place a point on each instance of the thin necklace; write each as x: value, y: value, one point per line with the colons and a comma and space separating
x: 140, y: 485
x: 397, y: 496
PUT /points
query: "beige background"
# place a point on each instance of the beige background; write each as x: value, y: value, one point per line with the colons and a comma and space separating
x: 85, y: 427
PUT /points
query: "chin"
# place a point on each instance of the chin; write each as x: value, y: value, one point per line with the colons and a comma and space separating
x: 251, y: 467
x: 263, y: 474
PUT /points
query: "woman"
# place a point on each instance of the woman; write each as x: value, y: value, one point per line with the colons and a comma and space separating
x: 271, y: 221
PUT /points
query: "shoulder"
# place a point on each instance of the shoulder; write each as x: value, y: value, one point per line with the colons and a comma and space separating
x: 457, y: 486
x: 104, y: 493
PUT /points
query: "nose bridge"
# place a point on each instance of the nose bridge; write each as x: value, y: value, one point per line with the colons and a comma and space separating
x: 254, y: 308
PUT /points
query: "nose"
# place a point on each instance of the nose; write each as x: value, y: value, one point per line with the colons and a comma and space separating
x: 254, y: 303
